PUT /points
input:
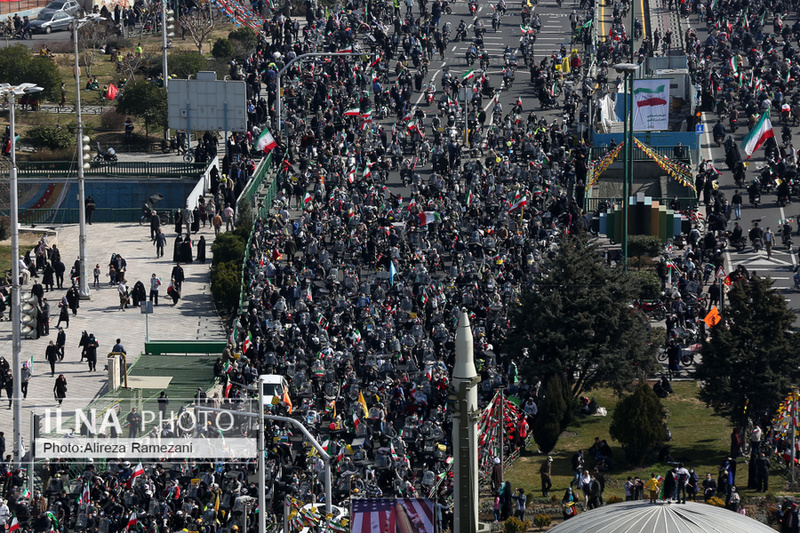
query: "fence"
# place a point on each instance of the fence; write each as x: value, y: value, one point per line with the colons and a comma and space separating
x: 266, y: 168
x: 592, y: 203
x: 203, y: 184
x: 70, y: 215
x: 250, y: 190
x: 67, y: 169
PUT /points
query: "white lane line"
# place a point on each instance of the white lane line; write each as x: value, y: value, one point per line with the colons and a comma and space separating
x: 454, y: 48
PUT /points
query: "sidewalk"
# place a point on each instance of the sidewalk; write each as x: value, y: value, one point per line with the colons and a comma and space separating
x: 193, y: 318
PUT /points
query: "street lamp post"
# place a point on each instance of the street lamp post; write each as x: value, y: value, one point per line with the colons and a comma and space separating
x: 279, y: 100
x: 83, y: 283
x: 627, y: 69
x: 16, y: 334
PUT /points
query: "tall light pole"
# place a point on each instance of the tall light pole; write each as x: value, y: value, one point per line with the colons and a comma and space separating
x: 627, y: 180
x: 165, y: 47
x: 16, y: 336
x: 83, y: 284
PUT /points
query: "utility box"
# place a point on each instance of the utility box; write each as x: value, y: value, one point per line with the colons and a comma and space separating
x: 114, y: 372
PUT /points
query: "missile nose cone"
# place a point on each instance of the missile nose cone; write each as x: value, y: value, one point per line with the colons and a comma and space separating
x: 464, y: 367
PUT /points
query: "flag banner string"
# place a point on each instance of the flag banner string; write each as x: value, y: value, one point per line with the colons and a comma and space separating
x: 600, y: 165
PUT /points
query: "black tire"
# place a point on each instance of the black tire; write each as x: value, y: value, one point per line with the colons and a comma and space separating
x: 48, y: 30
x: 141, y: 220
x: 662, y: 356
x: 687, y: 359
x: 448, y: 10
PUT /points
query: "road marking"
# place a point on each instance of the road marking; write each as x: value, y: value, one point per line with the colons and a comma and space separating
x: 454, y: 48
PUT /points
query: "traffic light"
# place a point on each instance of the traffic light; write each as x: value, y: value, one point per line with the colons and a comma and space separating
x: 29, y: 315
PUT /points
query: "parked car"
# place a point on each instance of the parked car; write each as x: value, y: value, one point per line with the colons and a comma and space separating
x: 70, y: 7
x: 53, y: 21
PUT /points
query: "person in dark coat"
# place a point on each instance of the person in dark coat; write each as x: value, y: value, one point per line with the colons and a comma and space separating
x: 138, y: 294
x: 61, y: 342
x: 90, y: 352
x: 82, y: 344
x: 48, y: 277
x: 174, y: 293
x: 63, y: 313
x: 176, y: 251
x: 60, y: 388
x: 74, y: 299
x: 178, y: 221
x: 60, y: 268
x: 177, y: 276
x: 51, y: 355
x: 186, y: 250
x: 201, y: 250
x: 196, y: 221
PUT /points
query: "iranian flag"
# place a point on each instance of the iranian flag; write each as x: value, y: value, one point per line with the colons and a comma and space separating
x: 426, y: 217
x: 470, y: 198
x: 265, y: 142
x: 758, y: 135
x: 733, y: 63
x: 522, y: 202
x: 647, y: 96
x: 307, y: 199
x: 351, y: 176
x: 468, y: 75
x: 14, y: 525
x: 138, y: 471
x: 132, y: 521
x: 347, y: 50
x: 352, y: 112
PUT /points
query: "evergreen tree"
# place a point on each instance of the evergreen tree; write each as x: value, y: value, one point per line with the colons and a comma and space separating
x: 752, y: 358
x: 577, y: 323
x: 552, y: 410
x: 638, y: 423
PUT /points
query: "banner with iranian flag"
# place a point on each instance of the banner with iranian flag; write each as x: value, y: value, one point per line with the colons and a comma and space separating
x: 758, y: 135
x: 265, y: 142
x: 650, y: 104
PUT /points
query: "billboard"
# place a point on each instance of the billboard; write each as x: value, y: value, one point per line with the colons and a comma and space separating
x: 207, y: 104
x: 650, y: 105
x: 401, y: 515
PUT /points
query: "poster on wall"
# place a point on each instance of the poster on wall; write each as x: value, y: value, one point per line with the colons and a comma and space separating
x: 650, y: 105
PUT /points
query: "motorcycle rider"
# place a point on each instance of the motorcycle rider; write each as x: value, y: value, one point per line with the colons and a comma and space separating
x: 736, y: 234
x: 756, y: 234
x: 719, y: 132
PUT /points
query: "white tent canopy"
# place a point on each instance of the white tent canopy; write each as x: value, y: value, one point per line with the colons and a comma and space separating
x: 644, y: 517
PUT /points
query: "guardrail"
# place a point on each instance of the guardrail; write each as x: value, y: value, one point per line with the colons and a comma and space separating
x: 68, y: 169
x: 639, y: 155
x: 592, y: 203
x: 70, y: 215
x: 252, y: 187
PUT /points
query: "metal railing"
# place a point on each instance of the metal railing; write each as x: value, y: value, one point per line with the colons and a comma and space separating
x: 70, y: 215
x: 267, y: 168
x: 252, y: 187
x: 639, y: 155
x: 30, y: 169
x: 592, y: 203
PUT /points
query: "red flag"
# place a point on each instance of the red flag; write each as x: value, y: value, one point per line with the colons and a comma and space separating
x: 132, y: 521
x: 14, y: 525
x: 138, y: 471
x: 112, y: 91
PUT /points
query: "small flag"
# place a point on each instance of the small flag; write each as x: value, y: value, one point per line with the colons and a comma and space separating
x: 392, y: 272
x: 713, y: 317
x: 14, y: 525
x: 352, y: 112
x: 132, y: 521
x: 363, y: 403
x: 307, y: 199
x: 112, y: 91
x: 287, y: 401
x: 522, y: 202
x: 468, y: 75
x: 426, y: 217
x: 347, y: 50
x: 265, y: 142
x: 138, y: 471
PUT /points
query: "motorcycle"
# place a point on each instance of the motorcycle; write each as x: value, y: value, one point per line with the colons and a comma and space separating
x: 461, y: 32
x: 508, y: 77
x: 470, y: 57
x: 429, y: 92
x: 496, y: 21
x: 484, y: 60
x: 473, y: 8
x: 107, y: 156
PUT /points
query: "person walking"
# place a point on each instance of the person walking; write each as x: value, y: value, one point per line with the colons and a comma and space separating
x: 160, y: 241
x: 123, y: 294
x: 545, y: 471
x: 769, y: 240
x: 188, y: 219
x: 63, y: 313
x: 520, y: 501
x: 60, y: 389
x: 24, y: 377
x: 155, y: 283
x: 229, y: 216
x: 119, y: 348
x: 51, y: 356
x: 61, y: 342
x: 177, y: 277
x: 90, y: 352
x: 216, y: 221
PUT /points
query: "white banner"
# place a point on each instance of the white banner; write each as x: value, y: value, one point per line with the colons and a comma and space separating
x: 650, y: 104
x: 146, y: 448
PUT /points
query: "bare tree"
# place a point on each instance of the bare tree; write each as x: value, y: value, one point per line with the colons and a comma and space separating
x: 92, y: 38
x: 199, y: 25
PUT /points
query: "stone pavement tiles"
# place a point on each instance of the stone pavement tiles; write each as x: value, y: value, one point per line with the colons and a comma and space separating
x: 194, y: 317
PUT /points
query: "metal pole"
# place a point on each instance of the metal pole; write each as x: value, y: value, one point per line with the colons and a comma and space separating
x: 279, y: 100
x: 625, y: 190
x: 225, y: 111
x: 164, y: 67
x: 285, y: 514
x: 326, y: 459
x: 83, y: 285
x: 629, y: 167
x: 15, y: 288
x: 466, y: 96
x: 188, y: 129
x: 262, y: 475
x: 31, y: 454
x: 502, y: 435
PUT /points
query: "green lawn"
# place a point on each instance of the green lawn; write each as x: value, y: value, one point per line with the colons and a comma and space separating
x: 700, y: 439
